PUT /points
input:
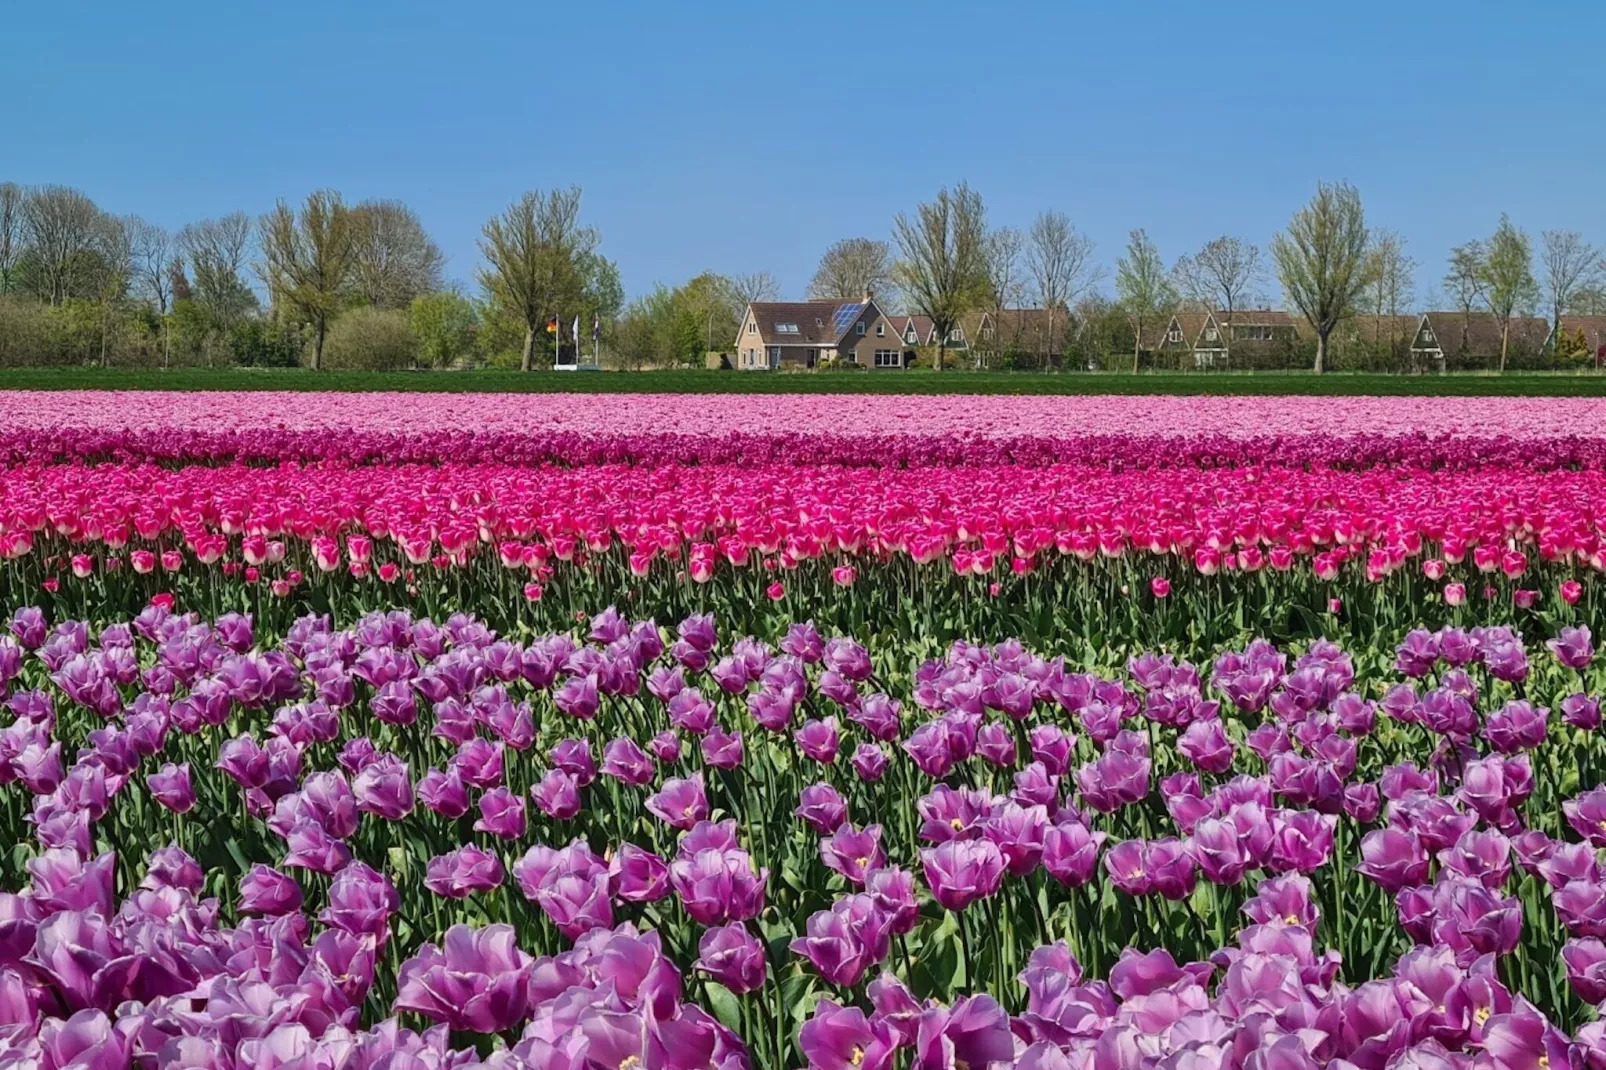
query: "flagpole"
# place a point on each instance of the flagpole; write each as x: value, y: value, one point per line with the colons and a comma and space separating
x: 557, y: 342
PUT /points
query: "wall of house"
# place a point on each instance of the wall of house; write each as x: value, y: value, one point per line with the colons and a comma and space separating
x: 750, y: 352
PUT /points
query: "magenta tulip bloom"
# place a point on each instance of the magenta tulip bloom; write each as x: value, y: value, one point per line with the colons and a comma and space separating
x: 477, y: 981
x: 959, y: 872
x: 721, y: 749
x: 1573, y: 647
x: 444, y: 793
x: 1052, y: 747
x: 973, y: 1032
x: 818, y: 740
x: 1586, y: 968
x: 996, y: 744
x: 732, y: 956
x: 1205, y: 744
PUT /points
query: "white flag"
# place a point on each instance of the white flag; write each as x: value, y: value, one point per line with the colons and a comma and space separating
x: 575, y: 330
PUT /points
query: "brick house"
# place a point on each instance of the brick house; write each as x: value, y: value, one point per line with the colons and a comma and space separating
x: 1210, y: 337
x: 1026, y: 332
x: 805, y: 334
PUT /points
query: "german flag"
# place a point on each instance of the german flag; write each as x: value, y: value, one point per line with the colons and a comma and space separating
x: 552, y: 325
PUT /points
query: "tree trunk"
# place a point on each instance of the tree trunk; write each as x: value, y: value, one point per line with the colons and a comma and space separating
x: 529, y: 348
x: 1505, y: 338
x: 1137, y: 346
x: 317, y: 344
x: 1321, y: 352
x: 936, y: 358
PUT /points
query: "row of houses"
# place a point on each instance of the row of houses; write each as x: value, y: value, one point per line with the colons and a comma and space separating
x: 806, y: 334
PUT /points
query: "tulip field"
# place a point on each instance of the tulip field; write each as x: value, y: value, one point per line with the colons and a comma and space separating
x: 383, y: 732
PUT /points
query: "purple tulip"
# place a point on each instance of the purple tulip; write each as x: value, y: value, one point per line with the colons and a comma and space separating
x: 624, y: 761
x: 361, y: 902
x: 959, y: 872
x: 818, y: 740
x: 171, y: 787
x: 557, y: 795
x: 384, y: 787
x: 894, y: 893
x: 1581, y: 711
x: 822, y: 807
x: 732, y: 956
x: 1205, y: 744
x: 1573, y: 647
x: 1516, y: 726
x: 843, y: 1038
x: 1019, y: 832
x: 996, y: 744
x: 853, y: 852
x: 637, y: 875
x: 870, y: 762
x: 573, y: 756
x: 844, y: 942
x: 1586, y: 968
x: 717, y: 887
x: 264, y: 890
x: 721, y: 749
x: 1052, y: 747
x: 459, y: 874
x: 681, y: 803
x: 477, y: 981
x: 1071, y: 853
x: 665, y: 746
x: 501, y: 814
x: 1393, y: 858
x: 444, y: 793
x: 973, y: 1032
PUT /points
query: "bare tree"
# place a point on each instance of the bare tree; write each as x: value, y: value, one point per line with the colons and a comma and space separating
x: 1392, y: 290
x: 1571, y: 265
x: 396, y: 260
x: 1322, y: 260
x: 1060, y: 261
x: 1223, y: 275
x: 11, y: 232
x: 307, y: 260
x: 1002, y: 260
x: 152, y: 248
x: 536, y: 251
x: 217, y: 250
x: 1144, y: 286
x: 1463, y: 283
x: 852, y: 269
x: 1506, y: 279
x: 59, y: 225
x: 754, y: 286
x: 942, y: 269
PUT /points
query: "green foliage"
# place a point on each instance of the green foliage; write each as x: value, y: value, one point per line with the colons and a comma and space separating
x: 256, y: 343
x: 371, y: 339
x: 447, y: 326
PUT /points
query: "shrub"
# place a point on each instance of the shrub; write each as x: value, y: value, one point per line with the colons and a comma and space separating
x: 371, y: 339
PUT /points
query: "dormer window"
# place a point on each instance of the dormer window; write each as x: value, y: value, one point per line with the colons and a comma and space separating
x: 858, y: 328
x: 909, y: 336
x: 786, y: 328
x: 956, y: 335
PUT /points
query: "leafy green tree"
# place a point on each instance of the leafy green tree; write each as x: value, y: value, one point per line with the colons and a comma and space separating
x: 1506, y: 279
x: 1144, y: 286
x: 942, y: 259
x: 1323, y: 262
x: 372, y: 339
x: 308, y: 260
x: 537, y: 258
x: 447, y: 325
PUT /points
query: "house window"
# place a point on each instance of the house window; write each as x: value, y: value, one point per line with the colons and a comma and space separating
x: 909, y: 337
x: 858, y: 328
x: 888, y: 358
x: 1210, y: 334
x: 986, y: 334
x: 853, y: 355
x: 880, y: 329
x: 786, y: 328
x: 752, y: 328
x: 1174, y: 336
x: 956, y: 335
x: 775, y: 355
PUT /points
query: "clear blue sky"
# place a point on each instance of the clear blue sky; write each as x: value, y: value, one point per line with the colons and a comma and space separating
x: 741, y: 136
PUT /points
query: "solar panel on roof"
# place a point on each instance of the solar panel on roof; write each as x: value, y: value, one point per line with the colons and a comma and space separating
x: 845, y: 315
